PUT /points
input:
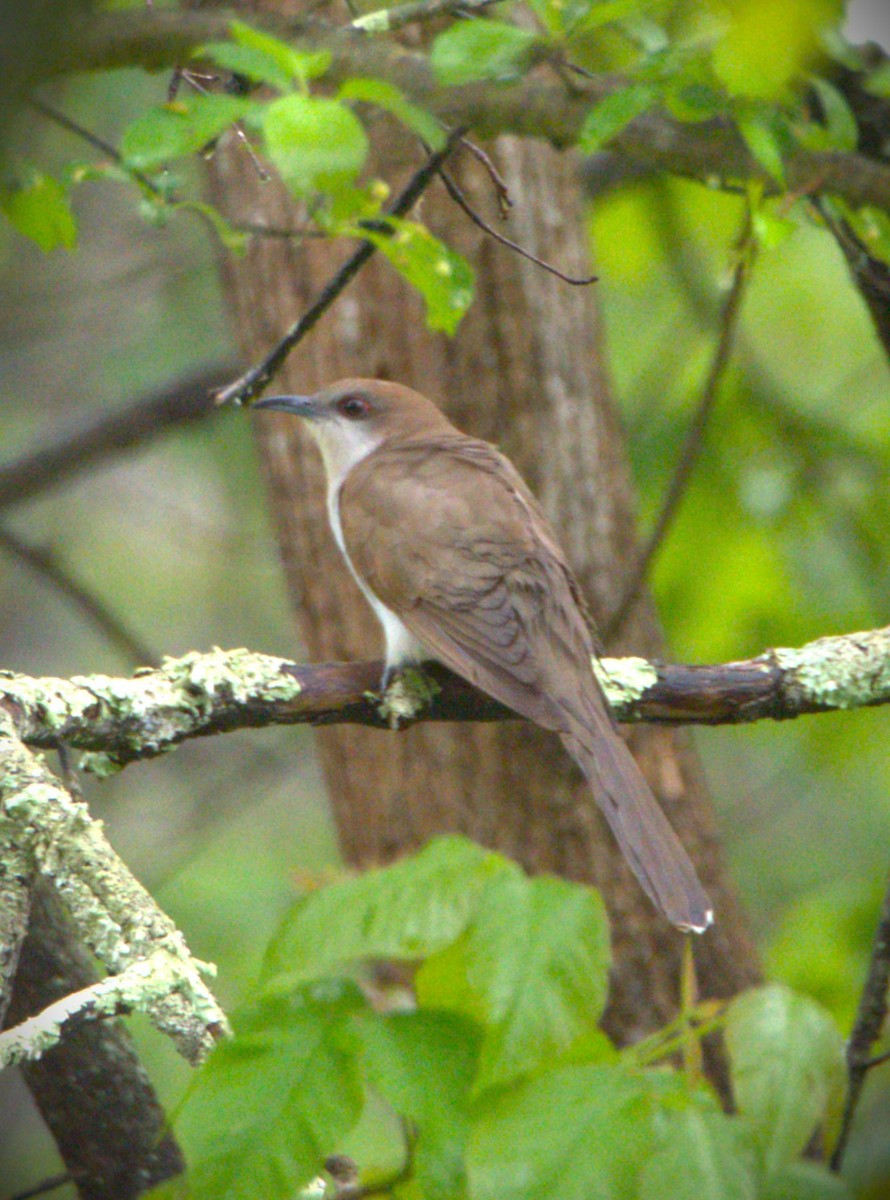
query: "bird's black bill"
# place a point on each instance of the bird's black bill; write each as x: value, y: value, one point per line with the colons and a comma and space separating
x: 299, y: 406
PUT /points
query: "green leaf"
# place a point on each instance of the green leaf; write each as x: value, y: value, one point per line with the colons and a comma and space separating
x: 442, y: 276
x: 270, y: 1104
x: 179, y: 128
x: 806, y: 1181
x: 787, y: 1066
x: 423, y: 1064
x: 611, y: 115
x: 878, y: 81
x: 762, y: 137
x: 532, y: 967
x: 387, y: 96
x: 39, y: 210
x: 405, y: 911
x: 583, y: 16
x: 580, y: 1133
x: 315, y: 143
x: 291, y: 63
x: 471, y: 50
x: 705, y: 1156
x: 248, y: 61
x: 839, y: 129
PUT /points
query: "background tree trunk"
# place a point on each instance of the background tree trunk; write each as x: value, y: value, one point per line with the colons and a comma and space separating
x: 526, y: 370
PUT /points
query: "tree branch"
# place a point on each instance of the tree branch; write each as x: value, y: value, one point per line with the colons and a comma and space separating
x: 870, y: 1017
x: 177, y: 403
x: 121, y: 720
x: 91, y: 1090
x: 42, y: 824
x: 711, y: 151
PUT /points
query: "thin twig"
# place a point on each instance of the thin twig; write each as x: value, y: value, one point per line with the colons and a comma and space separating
x: 870, y: 1017
x: 249, y: 385
x: 692, y: 447
x: 91, y: 606
x: 505, y: 200
x: 460, y: 199
x: 195, y: 80
x: 98, y: 143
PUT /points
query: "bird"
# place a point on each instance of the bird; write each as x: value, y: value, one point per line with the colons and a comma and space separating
x: 460, y: 565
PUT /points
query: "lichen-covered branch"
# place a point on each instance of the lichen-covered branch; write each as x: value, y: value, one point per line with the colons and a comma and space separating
x: 43, y: 826
x: 120, y: 720
x: 15, y: 896
x: 540, y: 107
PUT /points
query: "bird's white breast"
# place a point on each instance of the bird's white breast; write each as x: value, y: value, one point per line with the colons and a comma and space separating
x: 402, y: 647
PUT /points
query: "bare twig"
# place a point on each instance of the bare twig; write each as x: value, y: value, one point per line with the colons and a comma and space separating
x: 178, y: 403
x: 694, y: 442
x: 248, y: 386
x: 870, y: 1017
x: 98, y: 143
x: 505, y: 200
x: 91, y: 606
x: 199, y: 695
x: 460, y: 199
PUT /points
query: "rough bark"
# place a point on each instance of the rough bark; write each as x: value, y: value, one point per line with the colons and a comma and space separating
x: 526, y: 371
x: 91, y: 1090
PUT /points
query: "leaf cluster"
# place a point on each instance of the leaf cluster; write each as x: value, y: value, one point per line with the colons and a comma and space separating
x: 765, y: 67
x: 493, y: 1067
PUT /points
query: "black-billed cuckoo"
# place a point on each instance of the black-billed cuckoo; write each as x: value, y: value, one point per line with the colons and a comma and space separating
x: 459, y: 563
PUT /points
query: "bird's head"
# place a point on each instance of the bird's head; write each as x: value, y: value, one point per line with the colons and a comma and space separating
x: 353, y: 417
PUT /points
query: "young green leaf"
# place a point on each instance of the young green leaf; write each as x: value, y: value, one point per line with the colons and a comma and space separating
x: 249, y: 61
x: 39, y: 209
x: 611, y: 115
x: 705, y: 1156
x: 442, y: 276
x: 471, y: 50
x: 315, y: 143
x: 572, y: 1134
x: 423, y: 1064
x: 532, y: 968
x: 787, y: 1066
x: 763, y: 138
x: 804, y: 1180
x: 179, y: 128
x: 405, y: 911
x: 270, y: 1104
x: 387, y: 96
x: 301, y: 65
x: 839, y: 119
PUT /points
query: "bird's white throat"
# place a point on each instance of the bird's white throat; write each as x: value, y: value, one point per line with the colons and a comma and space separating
x: 342, y: 448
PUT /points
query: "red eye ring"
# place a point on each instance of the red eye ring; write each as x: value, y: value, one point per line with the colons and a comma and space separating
x: 354, y: 407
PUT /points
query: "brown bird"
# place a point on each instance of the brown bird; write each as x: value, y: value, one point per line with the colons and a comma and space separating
x: 459, y: 563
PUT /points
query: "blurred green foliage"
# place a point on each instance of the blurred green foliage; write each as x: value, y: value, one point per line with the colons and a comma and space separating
x: 784, y: 534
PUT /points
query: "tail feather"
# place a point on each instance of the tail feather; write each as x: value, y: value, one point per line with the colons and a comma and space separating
x: 641, y: 829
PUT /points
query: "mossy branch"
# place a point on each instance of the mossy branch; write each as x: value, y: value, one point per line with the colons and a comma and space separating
x: 119, y: 720
x: 44, y: 830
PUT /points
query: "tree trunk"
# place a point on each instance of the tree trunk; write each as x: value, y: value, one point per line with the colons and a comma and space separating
x: 526, y: 370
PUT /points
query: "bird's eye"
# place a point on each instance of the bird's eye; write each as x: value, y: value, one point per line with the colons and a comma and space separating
x: 354, y: 407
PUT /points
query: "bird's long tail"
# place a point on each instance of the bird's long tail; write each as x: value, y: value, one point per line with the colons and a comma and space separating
x: 641, y: 829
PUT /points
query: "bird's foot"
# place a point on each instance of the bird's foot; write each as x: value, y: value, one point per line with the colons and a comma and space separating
x: 404, y: 692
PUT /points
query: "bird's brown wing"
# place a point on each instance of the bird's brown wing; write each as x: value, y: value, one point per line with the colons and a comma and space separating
x: 483, y: 584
